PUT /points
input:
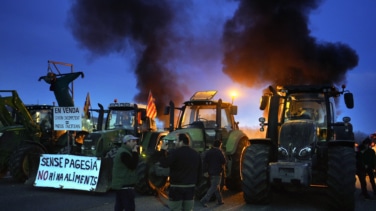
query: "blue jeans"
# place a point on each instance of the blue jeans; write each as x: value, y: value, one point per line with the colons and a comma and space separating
x: 215, y: 188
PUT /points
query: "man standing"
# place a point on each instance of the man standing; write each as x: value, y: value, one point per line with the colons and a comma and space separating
x: 214, y: 162
x: 369, y: 162
x: 185, y: 172
x: 360, y: 170
x: 124, y: 174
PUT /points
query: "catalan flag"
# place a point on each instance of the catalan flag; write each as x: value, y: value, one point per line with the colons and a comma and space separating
x: 151, y: 109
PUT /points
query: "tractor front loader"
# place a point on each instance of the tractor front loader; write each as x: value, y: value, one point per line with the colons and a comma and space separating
x: 27, y: 130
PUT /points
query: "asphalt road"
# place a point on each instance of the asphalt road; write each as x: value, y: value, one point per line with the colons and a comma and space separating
x: 15, y: 196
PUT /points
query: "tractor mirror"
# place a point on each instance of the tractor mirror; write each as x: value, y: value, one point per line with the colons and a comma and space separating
x: 234, y: 110
x: 264, y: 102
x: 349, y: 100
x: 166, y: 110
x: 143, y: 114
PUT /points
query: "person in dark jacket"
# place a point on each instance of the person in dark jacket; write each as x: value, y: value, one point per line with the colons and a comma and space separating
x: 124, y: 174
x: 185, y: 172
x: 369, y: 162
x: 361, y: 171
x: 214, y: 162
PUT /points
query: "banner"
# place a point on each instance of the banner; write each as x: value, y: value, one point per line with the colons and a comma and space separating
x: 68, y: 172
x: 67, y: 118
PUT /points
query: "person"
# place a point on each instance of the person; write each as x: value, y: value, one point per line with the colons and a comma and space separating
x: 124, y: 174
x: 214, y: 162
x: 60, y: 86
x: 369, y: 163
x: 360, y: 170
x: 185, y: 172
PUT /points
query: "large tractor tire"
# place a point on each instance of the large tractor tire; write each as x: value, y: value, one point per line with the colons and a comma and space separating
x: 157, y: 176
x: 19, y: 161
x: 142, y: 185
x: 233, y: 182
x: 341, y: 177
x: 255, y: 184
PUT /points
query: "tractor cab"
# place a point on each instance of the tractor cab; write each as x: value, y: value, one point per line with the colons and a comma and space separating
x: 212, y: 118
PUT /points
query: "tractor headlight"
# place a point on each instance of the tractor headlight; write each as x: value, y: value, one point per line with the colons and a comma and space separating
x: 170, y: 143
x: 1, y: 134
x: 283, y: 152
x: 305, y: 152
x: 93, y: 147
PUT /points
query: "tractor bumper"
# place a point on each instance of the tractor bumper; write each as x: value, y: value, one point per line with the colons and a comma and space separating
x: 290, y: 172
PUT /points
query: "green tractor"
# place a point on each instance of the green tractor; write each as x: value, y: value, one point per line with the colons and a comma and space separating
x: 122, y: 119
x: 17, y: 126
x: 305, y: 146
x: 26, y: 130
x: 204, y: 120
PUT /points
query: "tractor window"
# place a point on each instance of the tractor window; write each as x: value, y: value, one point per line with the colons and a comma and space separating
x: 332, y: 111
x: 205, y: 114
x: 225, y: 120
x: 123, y: 119
x: 305, y: 106
x: 43, y: 117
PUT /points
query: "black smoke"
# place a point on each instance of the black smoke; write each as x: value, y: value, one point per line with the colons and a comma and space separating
x: 104, y: 27
x: 268, y: 41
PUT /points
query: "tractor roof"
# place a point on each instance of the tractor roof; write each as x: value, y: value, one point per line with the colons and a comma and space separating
x: 332, y: 90
x: 39, y: 107
x: 126, y: 106
x: 204, y: 98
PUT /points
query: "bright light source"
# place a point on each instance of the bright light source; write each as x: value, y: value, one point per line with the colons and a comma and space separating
x: 233, y: 95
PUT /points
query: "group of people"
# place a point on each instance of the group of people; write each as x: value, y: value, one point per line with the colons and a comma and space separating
x: 186, y: 172
x: 365, y: 165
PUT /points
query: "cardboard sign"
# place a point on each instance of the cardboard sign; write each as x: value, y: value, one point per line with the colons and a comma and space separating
x: 67, y: 118
x: 68, y: 172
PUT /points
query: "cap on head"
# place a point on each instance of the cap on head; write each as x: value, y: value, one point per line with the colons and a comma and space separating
x: 129, y: 137
x: 184, y: 138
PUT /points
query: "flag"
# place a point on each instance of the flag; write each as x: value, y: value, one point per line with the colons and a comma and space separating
x: 87, y: 106
x: 151, y: 109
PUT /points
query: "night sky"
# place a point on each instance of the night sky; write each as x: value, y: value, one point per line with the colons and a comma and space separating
x: 175, y: 48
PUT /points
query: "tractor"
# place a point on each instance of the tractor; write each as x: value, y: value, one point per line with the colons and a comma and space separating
x: 27, y: 129
x: 204, y: 120
x: 305, y: 146
x: 122, y: 119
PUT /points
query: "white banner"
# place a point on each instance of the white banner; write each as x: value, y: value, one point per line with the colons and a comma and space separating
x: 67, y: 118
x: 68, y: 172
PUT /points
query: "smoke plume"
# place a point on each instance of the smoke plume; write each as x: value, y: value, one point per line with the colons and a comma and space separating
x: 269, y: 42
x: 265, y: 41
x: 104, y: 27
